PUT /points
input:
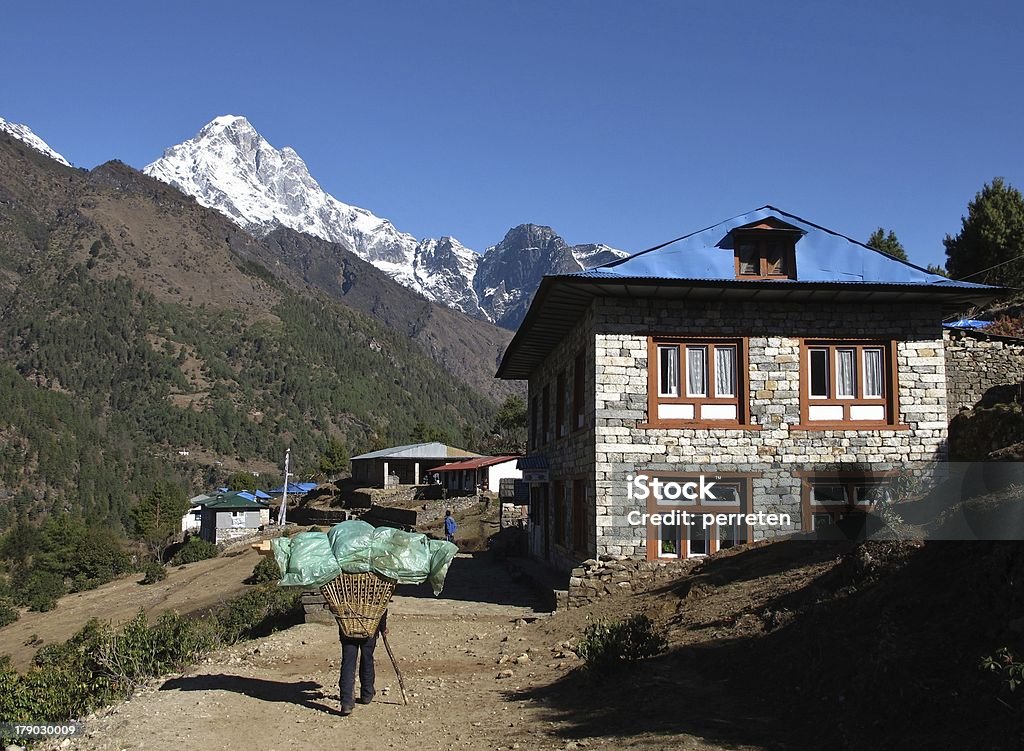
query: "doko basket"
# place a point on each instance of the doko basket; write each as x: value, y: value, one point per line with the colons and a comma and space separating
x: 358, y: 601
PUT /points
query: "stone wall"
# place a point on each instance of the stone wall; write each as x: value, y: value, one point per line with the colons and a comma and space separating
x: 570, y: 457
x: 975, y: 363
x: 594, y: 579
x: 772, y: 447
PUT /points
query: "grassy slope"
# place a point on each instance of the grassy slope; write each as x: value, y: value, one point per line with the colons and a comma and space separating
x: 128, y: 307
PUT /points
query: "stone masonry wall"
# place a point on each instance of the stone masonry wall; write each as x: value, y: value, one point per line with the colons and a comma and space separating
x: 594, y: 579
x: 975, y: 363
x: 775, y: 448
x: 571, y: 456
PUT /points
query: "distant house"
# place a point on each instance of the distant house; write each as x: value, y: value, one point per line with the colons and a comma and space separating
x: 464, y: 477
x: 229, y: 516
x: 192, y: 519
x: 404, y: 465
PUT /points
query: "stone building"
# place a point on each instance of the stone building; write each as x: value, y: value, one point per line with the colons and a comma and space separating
x: 790, y: 367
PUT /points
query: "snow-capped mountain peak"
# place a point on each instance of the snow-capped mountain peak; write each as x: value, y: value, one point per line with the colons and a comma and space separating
x: 230, y: 167
x: 24, y: 133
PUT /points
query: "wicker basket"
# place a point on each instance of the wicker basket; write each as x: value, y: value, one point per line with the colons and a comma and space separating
x: 358, y: 601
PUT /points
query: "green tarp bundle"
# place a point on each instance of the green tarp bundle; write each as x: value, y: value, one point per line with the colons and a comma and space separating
x: 311, y: 559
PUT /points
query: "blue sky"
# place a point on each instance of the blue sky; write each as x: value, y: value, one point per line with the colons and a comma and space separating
x: 618, y: 122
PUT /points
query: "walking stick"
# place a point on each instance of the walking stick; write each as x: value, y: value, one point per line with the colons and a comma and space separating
x: 394, y: 664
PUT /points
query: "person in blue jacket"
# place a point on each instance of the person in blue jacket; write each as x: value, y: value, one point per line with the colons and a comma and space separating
x: 449, y: 526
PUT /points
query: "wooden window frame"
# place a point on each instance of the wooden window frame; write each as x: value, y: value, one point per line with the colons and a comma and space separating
x: 836, y: 511
x: 558, y: 494
x: 578, y: 536
x: 741, y: 400
x: 545, y: 412
x: 745, y: 483
x: 763, y: 236
x: 560, y: 401
x: 534, y: 424
x: 890, y: 385
x: 579, y: 392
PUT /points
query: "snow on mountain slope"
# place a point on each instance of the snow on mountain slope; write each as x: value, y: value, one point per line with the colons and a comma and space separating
x: 230, y: 167
x: 25, y: 134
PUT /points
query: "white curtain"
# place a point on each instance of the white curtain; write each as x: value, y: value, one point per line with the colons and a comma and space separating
x: 872, y: 374
x: 846, y: 372
x: 725, y: 371
x: 696, y: 371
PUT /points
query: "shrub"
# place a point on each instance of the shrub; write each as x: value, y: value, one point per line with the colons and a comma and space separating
x: 194, y: 549
x: 39, y: 590
x: 100, y: 664
x: 139, y: 651
x: 154, y: 572
x: 1009, y: 672
x: 258, y: 612
x: 8, y: 613
x: 266, y: 572
x: 609, y: 645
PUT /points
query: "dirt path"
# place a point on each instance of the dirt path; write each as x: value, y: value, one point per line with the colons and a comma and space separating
x: 280, y: 693
x: 195, y: 587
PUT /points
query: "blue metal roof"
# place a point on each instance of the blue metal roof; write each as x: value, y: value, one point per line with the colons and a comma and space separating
x: 295, y: 488
x: 700, y: 268
x: 821, y: 256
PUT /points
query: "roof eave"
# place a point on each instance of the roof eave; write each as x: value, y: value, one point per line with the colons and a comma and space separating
x: 952, y: 298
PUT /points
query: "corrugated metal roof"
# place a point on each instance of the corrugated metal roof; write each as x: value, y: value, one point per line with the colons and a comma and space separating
x: 295, y: 488
x: 432, y: 450
x: 478, y: 463
x: 822, y: 255
x: 536, y: 461
x: 700, y: 267
x: 236, y: 500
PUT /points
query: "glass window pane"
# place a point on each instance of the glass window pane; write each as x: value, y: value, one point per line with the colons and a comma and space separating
x: 871, y: 492
x: 821, y: 520
x: 668, y: 371
x: 750, y: 260
x: 873, y: 373
x: 730, y: 535
x: 697, y: 371
x: 776, y: 259
x: 697, y: 534
x: 819, y: 373
x: 668, y: 541
x: 824, y: 492
x: 725, y: 371
x: 846, y: 373
x: 725, y: 494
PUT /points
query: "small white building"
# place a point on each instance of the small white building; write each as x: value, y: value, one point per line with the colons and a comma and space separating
x: 193, y: 518
x: 464, y: 477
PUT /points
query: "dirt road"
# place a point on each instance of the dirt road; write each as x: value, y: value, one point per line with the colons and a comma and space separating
x: 281, y: 693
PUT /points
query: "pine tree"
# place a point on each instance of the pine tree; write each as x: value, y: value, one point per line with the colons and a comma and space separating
x: 887, y: 243
x: 990, y: 245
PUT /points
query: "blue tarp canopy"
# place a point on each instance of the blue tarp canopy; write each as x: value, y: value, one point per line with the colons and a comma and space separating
x: 297, y: 488
x: 248, y: 494
x: 968, y: 323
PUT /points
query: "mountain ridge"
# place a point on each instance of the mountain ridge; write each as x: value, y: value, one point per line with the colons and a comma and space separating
x: 230, y: 167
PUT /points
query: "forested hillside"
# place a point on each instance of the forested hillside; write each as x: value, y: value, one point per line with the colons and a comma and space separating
x: 131, y: 329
